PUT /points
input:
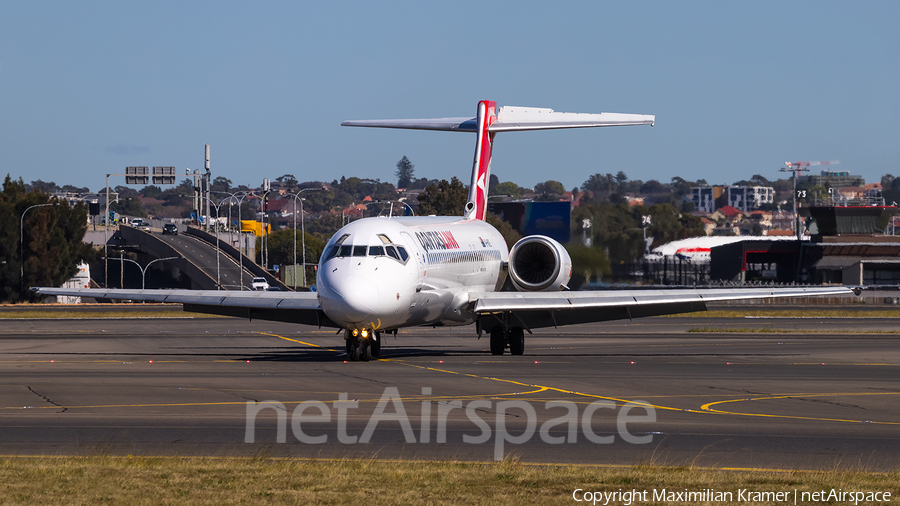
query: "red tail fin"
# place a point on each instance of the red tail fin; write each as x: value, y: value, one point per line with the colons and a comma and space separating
x: 476, y: 207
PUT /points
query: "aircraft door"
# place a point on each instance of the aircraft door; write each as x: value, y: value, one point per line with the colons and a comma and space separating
x: 418, y: 252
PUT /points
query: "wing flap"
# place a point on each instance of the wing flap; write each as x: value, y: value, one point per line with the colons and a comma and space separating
x: 543, y: 309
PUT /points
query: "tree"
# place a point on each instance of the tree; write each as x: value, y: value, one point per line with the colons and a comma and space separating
x: 550, y: 187
x: 75, y: 189
x: 602, y: 186
x: 220, y: 184
x: 760, y: 180
x: 492, y: 182
x: 129, y: 203
x: 151, y: 192
x: 587, y: 263
x: 507, y: 188
x: 510, y: 235
x: 324, y: 226
x: 405, y: 172
x: 53, y: 240
x: 621, y: 179
x: 42, y: 186
x: 421, y: 183
x: 281, y: 249
x: 444, y: 199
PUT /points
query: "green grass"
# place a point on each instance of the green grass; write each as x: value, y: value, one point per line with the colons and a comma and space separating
x: 50, y: 313
x: 209, y: 481
x: 769, y: 330
x: 793, y: 313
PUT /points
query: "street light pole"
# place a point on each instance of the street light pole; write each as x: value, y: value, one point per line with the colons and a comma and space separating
x: 209, y: 202
x: 240, y: 233
x: 302, y: 232
x: 22, y: 243
x: 143, y: 269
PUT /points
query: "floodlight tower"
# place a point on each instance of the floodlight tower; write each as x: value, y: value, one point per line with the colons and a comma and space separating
x: 796, y: 168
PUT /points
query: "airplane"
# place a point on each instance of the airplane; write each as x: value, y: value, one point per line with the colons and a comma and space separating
x: 377, y: 275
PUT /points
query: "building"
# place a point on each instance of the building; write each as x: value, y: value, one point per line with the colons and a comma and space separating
x: 704, y: 197
x: 744, y: 198
x: 750, y: 198
x: 830, y: 179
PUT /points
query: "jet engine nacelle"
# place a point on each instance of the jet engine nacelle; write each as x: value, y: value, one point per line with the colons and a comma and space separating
x: 538, y: 263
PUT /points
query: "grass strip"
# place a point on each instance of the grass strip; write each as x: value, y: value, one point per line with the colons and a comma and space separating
x: 768, y: 330
x: 791, y: 313
x: 173, y: 480
x: 87, y: 315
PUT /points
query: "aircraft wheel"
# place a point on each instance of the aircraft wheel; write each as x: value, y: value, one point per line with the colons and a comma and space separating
x: 516, y: 341
x: 365, y: 350
x: 498, y: 341
x: 353, y: 349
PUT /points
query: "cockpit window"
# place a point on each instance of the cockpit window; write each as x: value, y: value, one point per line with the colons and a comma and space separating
x: 395, y: 251
x: 336, y: 249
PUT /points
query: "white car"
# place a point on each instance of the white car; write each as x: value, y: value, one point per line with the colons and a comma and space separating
x: 259, y: 284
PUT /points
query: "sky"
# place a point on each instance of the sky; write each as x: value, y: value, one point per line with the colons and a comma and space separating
x: 738, y: 88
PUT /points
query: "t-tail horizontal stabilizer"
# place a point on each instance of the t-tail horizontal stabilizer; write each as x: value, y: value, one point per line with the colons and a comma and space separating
x: 488, y: 122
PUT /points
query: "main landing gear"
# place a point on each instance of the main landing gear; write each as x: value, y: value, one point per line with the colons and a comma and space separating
x: 362, y: 344
x: 514, y: 337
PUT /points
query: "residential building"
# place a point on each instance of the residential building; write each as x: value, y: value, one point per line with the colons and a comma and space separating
x: 704, y: 197
x: 750, y: 198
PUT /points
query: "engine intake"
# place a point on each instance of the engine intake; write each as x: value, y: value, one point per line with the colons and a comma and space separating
x: 538, y: 263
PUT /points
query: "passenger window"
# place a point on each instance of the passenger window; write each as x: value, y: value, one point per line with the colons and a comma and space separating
x: 392, y: 252
x: 345, y: 250
x: 403, y: 254
x: 376, y: 251
x: 359, y: 251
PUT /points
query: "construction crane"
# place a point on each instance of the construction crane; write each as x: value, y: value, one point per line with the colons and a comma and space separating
x: 796, y: 168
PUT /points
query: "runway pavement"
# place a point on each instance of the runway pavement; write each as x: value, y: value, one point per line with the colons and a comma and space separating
x: 825, y: 399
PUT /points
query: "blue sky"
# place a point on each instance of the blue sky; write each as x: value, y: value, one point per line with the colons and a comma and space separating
x: 87, y: 88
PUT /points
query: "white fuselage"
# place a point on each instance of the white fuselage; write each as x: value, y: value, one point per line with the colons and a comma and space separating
x: 385, y: 273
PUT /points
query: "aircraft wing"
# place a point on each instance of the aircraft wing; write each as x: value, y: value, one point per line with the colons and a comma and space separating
x: 292, y: 307
x: 550, y: 309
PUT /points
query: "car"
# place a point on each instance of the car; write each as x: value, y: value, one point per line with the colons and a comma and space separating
x: 140, y: 224
x: 170, y: 228
x: 259, y: 284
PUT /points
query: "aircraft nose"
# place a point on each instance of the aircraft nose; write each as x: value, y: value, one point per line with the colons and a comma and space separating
x: 358, y: 298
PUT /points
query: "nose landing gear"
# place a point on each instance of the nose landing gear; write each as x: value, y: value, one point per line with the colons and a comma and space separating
x: 501, y: 337
x: 363, y: 345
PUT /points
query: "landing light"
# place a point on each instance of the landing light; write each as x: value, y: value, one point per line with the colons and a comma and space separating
x: 355, y: 332
x: 365, y: 333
